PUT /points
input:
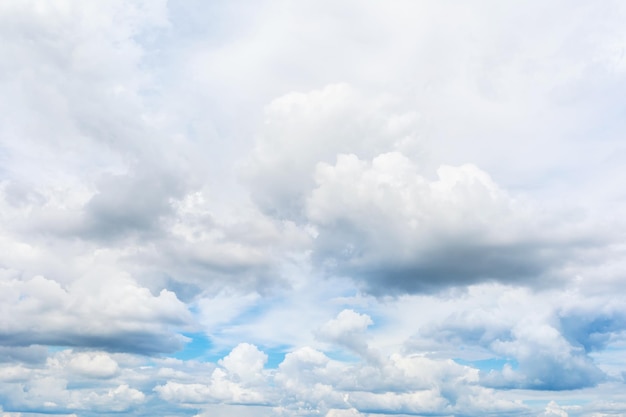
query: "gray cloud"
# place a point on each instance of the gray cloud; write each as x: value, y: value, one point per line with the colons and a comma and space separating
x: 437, y: 269
x: 385, y: 225
x: 130, y: 204
x: 30, y: 354
x: 147, y: 343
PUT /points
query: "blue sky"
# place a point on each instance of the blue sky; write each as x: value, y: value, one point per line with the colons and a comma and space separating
x: 312, y: 208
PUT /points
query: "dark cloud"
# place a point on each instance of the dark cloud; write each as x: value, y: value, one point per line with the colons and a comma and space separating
x: 434, y: 270
x: 130, y: 204
x: 29, y: 354
x: 141, y: 342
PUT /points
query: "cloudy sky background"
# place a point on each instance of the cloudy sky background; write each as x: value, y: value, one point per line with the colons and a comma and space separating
x: 312, y: 208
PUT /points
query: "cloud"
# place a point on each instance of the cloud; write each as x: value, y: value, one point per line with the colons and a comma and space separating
x: 271, y: 179
x: 308, y: 380
x: 303, y: 129
x: 46, y: 394
x: 30, y: 354
x: 347, y: 331
x: 401, y: 384
x: 99, y: 365
x: 245, y: 362
x: 386, y: 225
x: 546, y: 362
x: 532, y: 350
x: 130, y: 203
x: 239, y: 380
x: 343, y: 413
x: 118, y: 316
x: 592, y: 324
x: 554, y: 410
x: 378, y: 214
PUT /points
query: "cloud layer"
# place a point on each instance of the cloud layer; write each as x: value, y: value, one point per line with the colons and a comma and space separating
x: 339, y: 209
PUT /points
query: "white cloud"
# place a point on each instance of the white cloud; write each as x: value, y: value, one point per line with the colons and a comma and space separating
x: 554, y: 410
x: 399, y: 384
x: 114, y: 315
x: 245, y: 361
x: 343, y: 413
x: 98, y: 365
x: 383, y: 222
x: 347, y: 331
x: 347, y: 322
x: 279, y: 177
x: 239, y: 380
x: 302, y: 129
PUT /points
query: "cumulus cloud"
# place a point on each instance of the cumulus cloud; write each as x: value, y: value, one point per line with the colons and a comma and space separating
x: 245, y: 362
x: 307, y: 379
x: 546, y: 361
x: 378, y: 214
x: 399, y: 384
x: 382, y: 222
x: 536, y: 351
x: 343, y: 413
x: 118, y: 316
x: 554, y: 410
x: 271, y: 179
x: 51, y: 394
x: 97, y: 365
x: 303, y: 129
x: 347, y: 331
x: 239, y: 381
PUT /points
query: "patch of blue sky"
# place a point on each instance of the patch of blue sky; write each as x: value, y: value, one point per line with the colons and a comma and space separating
x: 490, y: 364
x: 198, y: 348
x: 275, y: 357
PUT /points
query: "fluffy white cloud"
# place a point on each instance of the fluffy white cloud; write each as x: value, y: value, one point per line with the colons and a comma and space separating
x: 303, y: 129
x: 51, y: 394
x: 347, y: 331
x: 343, y: 413
x: 384, y: 222
x: 308, y: 380
x: 398, y: 384
x: 540, y: 349
x: 117, y: 315
x: 245, y: 362
x: 271, y: 179
x: 554, y: 410
x: 239, y: 381
x: 98, y: 365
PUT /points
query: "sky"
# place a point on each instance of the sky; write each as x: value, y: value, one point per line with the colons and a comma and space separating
x: 305, y: 208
